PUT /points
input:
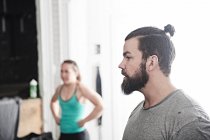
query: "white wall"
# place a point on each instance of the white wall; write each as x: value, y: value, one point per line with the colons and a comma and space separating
x: 190, y: 70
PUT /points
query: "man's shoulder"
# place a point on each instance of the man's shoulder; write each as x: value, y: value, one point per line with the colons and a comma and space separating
x: 183, y: 110
x: 198, y: 129
x: 181, y: 101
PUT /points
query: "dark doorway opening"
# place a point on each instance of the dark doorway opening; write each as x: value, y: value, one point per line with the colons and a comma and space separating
x: 18, y: 47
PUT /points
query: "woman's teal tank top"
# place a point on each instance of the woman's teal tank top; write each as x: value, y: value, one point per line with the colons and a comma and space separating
x: 72, y: 112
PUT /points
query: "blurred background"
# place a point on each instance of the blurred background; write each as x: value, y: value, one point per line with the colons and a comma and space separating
x: 37, y: 35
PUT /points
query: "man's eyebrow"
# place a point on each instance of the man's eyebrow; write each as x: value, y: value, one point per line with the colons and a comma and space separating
x: 125, y: 53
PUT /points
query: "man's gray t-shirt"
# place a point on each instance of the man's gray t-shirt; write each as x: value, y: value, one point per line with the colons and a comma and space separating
x: 177, y: 117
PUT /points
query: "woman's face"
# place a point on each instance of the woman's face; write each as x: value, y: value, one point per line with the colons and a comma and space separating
x: 68, y: 74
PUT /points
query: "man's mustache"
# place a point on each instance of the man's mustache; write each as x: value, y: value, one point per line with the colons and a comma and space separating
x: 124, y: 73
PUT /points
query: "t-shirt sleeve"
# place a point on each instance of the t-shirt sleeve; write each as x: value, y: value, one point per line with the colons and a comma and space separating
x: 196, y: 130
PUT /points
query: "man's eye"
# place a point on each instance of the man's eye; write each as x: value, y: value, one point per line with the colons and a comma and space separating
x: 127, y: 57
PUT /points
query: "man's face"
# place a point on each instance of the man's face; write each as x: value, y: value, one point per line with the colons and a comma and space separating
x: 133, y: 67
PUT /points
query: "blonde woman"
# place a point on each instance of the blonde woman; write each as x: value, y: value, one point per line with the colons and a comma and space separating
x: 68, y: 102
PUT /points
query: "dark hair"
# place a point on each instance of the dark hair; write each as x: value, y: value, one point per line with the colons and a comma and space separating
x: 154, y: 41
x: 74, y: 66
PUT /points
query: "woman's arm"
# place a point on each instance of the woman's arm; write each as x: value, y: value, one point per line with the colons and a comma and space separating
x: 95, y: 99
x: 54, y: 106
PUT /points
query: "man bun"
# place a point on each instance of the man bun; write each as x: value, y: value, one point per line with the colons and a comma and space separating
x: 169, y: 29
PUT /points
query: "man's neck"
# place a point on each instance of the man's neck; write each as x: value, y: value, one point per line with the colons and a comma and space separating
x: 155, y: 92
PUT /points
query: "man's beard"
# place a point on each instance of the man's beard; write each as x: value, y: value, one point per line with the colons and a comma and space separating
x: 136, y: 82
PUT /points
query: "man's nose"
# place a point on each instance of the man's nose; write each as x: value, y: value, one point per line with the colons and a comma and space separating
x: 121, y: 65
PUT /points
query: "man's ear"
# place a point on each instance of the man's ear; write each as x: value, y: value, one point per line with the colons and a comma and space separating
x: 152, y: 62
